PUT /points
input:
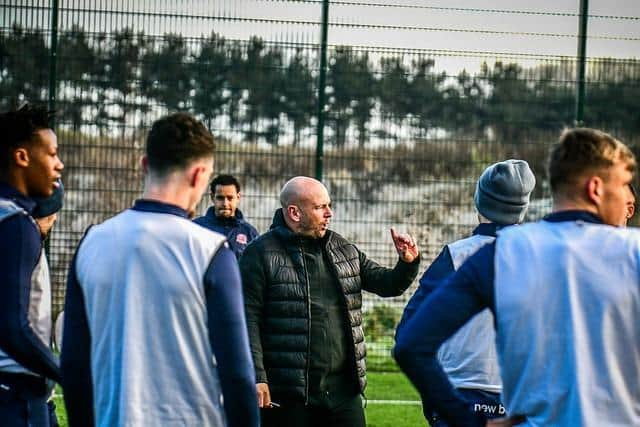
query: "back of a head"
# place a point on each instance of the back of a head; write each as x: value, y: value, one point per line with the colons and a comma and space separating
x: 503, y: 191
x: 18, y: 128
x: 175, y: 141
x: 581, y: 152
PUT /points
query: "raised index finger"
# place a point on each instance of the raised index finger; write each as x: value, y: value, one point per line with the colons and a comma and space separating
x: 394, y: 235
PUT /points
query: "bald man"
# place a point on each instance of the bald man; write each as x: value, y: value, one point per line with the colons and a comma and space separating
x: 303, y: 297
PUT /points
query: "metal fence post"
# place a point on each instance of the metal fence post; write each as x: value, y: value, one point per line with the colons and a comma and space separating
x: 582, y: 51
x: 53, y: 55
x: 53, y: 84
x: 321, y: 90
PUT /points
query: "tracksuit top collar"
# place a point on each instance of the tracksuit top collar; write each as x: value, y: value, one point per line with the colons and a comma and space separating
x: 238, y: 218
x: 155, y: 206
x: 573, y: 215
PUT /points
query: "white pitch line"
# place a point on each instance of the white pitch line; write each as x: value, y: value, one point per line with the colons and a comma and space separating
x: 394, y: 402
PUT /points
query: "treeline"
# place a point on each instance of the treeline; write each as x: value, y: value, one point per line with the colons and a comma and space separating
x: 263, y: 91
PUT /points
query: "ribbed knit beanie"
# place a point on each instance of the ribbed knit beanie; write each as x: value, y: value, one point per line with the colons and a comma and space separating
x: 503, y: 190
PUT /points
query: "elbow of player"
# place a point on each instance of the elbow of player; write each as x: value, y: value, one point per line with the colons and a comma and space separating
x: 402, y: 352
x: 411, y: 350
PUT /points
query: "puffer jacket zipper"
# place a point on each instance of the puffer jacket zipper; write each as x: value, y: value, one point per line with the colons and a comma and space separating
x: 308, y: 296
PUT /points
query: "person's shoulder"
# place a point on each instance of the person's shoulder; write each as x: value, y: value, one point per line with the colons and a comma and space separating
x: 466, y: 241
x: 195, y: 230
x: 338, y: 244
x: 337, y: 240
x: 249, y: 227
x: 117, y: 220
x: 15, y: 222
x: 519, y: 228
x: 630, y: 235
x: 261, y: 248
x: 105, y: 231
x: 263, y: 241
x: 9, y: 208
x: 209, y: 222
x: 201, y: 220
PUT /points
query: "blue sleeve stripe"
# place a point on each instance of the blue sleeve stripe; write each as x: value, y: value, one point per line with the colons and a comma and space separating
x: 229, y: 338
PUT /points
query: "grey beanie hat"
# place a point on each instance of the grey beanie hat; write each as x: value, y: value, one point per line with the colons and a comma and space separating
x: 503, y: 190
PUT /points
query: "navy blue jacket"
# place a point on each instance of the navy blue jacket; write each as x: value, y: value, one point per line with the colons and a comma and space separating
x: 20, y: 250
x: 465, y: 293
x: 238, y: 231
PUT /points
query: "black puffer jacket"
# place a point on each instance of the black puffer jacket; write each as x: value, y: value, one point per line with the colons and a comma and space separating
x: 276, y: 293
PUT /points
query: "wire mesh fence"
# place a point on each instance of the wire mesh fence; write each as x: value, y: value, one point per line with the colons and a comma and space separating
x: 420, y: 98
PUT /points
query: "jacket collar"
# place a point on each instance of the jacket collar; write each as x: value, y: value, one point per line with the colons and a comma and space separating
x: 155, y: 206
x: 237, y: 219
x: 9, y: 192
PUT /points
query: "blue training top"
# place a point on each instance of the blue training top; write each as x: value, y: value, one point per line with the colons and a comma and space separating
x: 474, y: 287
x: 160, y: 332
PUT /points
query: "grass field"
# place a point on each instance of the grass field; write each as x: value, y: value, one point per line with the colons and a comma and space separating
x: 382, y: 386
x: 60, y: 411
x: 392, y: 386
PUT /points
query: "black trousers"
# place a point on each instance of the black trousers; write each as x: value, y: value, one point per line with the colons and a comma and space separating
x: 23, y: 401
x: 347, y: 414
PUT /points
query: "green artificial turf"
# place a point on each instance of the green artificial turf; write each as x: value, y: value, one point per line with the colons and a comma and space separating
x: 392, y: 386
x: 382, y: 386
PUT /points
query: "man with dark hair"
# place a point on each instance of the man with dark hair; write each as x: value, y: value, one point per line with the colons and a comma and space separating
x: 469, y: 357
x: 224, y: 216
x: 303, y: 288
x: 154, y: 330
x: 29, y: 167
x: 565, y: 298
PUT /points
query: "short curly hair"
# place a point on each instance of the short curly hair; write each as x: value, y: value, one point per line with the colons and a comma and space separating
x: 18, y: 128
x: 224, y: 179
x: 177, y: 140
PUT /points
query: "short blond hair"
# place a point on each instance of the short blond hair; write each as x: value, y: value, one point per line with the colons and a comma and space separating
x: 583, y: 151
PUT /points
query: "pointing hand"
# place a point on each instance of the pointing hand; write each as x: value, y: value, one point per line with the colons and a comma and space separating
x: 405, y: 245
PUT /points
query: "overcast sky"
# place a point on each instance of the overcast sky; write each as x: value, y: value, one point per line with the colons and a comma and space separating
x: 428, y: 26
x: 430, y: 17
x: 424, y: 25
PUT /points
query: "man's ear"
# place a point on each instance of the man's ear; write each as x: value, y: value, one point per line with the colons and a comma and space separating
x: 21, y: 157
x: 144, y: 162
x: 196, y: 174
x: 631, y: 210
x: 294, y: 213
x: 595, y: 189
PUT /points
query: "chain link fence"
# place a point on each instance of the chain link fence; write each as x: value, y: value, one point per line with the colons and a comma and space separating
x: 419, y: 99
